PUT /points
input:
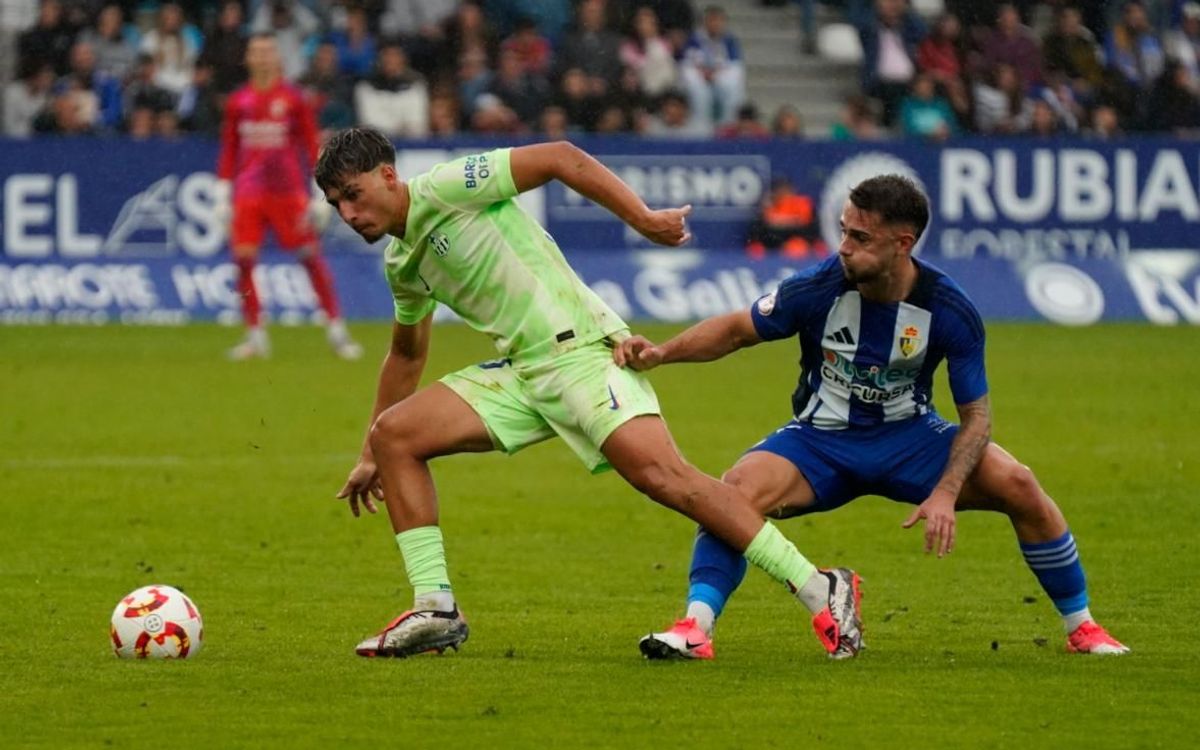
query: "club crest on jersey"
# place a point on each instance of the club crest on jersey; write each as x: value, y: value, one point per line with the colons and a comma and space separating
x: 440, y: 244
x: 278, y: 108
x: 766, y: 305
x: 910, y: 342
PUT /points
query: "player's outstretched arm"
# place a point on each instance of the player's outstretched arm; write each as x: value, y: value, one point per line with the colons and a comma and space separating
x: 535, y: 165
x: 966, y: 450
x: 398, y: 379
x: 704, y: 342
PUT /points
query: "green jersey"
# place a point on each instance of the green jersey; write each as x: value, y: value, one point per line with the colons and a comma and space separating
x: 468, y: 245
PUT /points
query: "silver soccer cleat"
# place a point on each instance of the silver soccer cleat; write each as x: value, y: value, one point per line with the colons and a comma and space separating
x: 417, y: 633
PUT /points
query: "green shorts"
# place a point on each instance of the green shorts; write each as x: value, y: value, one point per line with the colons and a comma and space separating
x: 580, y: 395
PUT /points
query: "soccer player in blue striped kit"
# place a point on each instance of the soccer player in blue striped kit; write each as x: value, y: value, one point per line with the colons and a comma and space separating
x: 874, y: 323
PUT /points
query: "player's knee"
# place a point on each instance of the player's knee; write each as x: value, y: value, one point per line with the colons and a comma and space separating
x: 746, y: 491
x: 390, y: 436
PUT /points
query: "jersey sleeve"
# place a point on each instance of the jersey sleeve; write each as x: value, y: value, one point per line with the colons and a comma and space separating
x: 474, y: 182
x: 963, y: 338
x: 410, y: 308
x: 227, y: 159
x: 782, y: 313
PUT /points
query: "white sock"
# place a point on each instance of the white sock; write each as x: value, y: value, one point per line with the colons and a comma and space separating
x: 336, y: 330
x: 704, y: 616
x: 815, y: 592
x: 257, y: 335
x: 439, y: 601
x: 1075, y: 619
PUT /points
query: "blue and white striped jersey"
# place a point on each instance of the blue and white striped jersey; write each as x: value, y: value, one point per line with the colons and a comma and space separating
x: 863, y: 363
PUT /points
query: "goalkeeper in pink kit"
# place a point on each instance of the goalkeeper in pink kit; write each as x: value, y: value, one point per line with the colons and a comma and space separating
x: 268, y: 149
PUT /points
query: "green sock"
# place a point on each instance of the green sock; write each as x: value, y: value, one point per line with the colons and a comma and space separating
x: 779, y: 558
x: 424, y: 559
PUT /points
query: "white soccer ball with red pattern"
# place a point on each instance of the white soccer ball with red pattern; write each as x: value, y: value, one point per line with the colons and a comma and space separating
x: 156, y: 622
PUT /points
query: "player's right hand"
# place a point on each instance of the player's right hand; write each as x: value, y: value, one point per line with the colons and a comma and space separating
x: 666, y: 226
x: 637, y: 353
x: 362, y: 486
x: 222, y: 193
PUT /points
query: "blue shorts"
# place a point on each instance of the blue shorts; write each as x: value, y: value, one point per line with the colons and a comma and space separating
x: 899, y: 460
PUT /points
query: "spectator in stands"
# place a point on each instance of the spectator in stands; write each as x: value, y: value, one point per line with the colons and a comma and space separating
x: 785, y: 223
x: 747, y: 125
x: 533, y: 50
x: 926, y: 114
x: 71, y: 111
x: 1072, y: 48
x: 552, y: 17
x: 1044, y: 121
x: 1060, y: 96
x: 225, y: 49
x: 942, y: 56
x: 469, y: 40
x: 1001, y: 105
x: 889, y: 45
x: 143, y: 94
x: 100, y: 91
x: 47, y: 42
x: 523, y: 92
x: 592, y: 47
x: 649, y: 54
x: 575, y: 97
x: 443, y: 116
x: 612, y: 119
x: 16, y: 17
x: 787, y: 123
x: 1133, y: 49
x: 25, y: 98
x: 1105, y: 123
x: 420, y: 27
x: 712, y: 71
x: 858, y: 121
x: 677, y: 19
x: 674, y: 119
x: 200, y: 106
x: 394, y: 100
x: 1011, y: 42
x: 294, y: 25
x: 553, y: 124
x: 494, y: 117
x: 1172, y: 106
x: 112, y: 42
x: 1183, y: 43
x: 355, y: 45
x: 474, y: 76
x: 329, y: 93
x: 174, y: 52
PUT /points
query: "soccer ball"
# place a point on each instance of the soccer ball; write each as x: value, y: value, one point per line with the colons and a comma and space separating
x: 156, y: 622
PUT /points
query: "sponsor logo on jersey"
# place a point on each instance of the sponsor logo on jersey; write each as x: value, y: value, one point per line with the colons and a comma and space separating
x: 440, y: 244
x: 278, y: 108
x: 766, y: 305
x: 475, y: 168
x: 910, y: 342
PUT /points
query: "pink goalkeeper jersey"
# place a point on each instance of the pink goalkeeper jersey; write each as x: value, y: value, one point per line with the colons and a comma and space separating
x: 268, y: 142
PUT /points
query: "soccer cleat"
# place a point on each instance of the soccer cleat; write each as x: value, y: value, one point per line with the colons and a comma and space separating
x: 1090, y: 638
x: 417, y: 633
x: 251, y: 347
x: 839, y: 626
x: 683, y: 641
x: 343, y: 346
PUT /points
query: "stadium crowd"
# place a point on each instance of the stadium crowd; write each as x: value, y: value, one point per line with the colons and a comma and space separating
x: 667, y: 68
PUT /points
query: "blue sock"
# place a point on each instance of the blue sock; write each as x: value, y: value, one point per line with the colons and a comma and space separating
x: 1057, y: 567
x: 717, y: 569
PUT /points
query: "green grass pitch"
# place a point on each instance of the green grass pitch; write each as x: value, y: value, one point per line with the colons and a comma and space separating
x: 135, y: 456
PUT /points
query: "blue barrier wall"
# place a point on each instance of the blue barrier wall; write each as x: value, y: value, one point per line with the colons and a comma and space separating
x: 1070, y: 231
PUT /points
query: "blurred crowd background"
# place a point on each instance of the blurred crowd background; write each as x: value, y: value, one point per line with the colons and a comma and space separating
x: 930, y: 69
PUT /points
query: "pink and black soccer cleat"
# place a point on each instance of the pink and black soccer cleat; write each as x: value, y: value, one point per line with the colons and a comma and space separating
x: 683, y: 641
x: 839, y: 626
x: 417, y: 633
x: 1090, y: 638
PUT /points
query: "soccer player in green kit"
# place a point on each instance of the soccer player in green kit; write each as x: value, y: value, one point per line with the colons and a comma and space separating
x: 460, y: 238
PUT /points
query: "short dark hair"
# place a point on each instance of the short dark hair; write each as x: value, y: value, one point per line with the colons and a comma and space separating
x: 352, y: 152
x: 896, y: 198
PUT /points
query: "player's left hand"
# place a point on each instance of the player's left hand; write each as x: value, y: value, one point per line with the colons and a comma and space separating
x: 361, y: 485
x: 938, y: 512
x: 637, y: 353
x: 666, y: 226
